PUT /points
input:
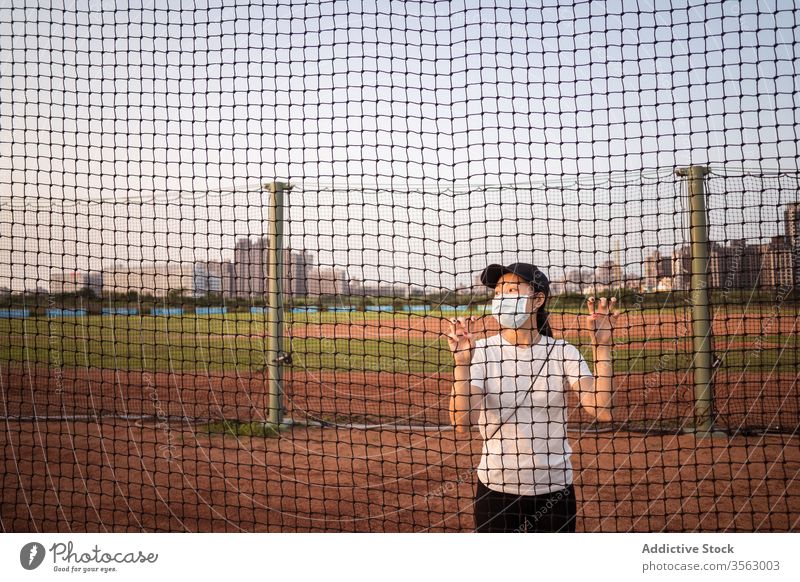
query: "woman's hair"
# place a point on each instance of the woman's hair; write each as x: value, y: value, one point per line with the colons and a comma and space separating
x: 542, y: 320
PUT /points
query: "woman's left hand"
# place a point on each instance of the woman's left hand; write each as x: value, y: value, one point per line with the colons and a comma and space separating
x: 601, y: 320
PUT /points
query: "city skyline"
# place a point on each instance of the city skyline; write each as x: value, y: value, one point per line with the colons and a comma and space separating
x: 737, y: 264
x: 426, y: 239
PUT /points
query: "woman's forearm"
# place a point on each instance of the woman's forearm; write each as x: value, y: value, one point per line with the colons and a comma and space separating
x: 603, y: 373
x: 460, y: 399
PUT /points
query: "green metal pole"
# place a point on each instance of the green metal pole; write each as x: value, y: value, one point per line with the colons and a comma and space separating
x: 275, y: 303
x: 701, y: 313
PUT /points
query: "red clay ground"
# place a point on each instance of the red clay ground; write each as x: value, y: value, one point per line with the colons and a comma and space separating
x: 125, y: 476
x: 117, y: 476
x: 630, y: 326
x: 79, y: 476
x: 751, y: 400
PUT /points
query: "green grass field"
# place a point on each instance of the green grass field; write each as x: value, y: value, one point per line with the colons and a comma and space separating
x: 361, y: 316
x: 236, y: 342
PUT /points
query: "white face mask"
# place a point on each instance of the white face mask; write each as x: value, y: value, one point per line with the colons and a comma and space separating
x: 511, y: 310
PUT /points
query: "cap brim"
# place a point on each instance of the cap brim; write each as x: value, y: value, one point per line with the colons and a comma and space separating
x: 491, y: 275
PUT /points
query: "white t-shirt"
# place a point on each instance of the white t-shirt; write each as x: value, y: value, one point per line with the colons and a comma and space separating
x: 529, y: 453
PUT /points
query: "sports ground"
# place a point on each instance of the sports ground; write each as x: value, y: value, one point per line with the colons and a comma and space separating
x: 115, y: 424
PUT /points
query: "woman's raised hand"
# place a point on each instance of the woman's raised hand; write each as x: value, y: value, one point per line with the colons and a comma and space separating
x: 601, y: 320
x: 461, y: 339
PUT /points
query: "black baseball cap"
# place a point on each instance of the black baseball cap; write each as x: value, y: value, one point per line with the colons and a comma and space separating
x: 530, y: 273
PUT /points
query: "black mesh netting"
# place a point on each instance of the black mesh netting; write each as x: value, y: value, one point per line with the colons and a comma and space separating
x: 162, y: 163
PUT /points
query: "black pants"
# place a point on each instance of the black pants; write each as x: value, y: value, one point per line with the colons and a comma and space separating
x: 496, y: 511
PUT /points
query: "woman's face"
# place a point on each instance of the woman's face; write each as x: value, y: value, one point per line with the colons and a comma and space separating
x: 511, y: 284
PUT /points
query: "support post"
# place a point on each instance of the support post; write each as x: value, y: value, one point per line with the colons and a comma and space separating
x: 275, y: 351
x: 702, y: 360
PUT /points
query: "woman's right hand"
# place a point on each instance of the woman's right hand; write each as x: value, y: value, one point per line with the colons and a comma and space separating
x: 461, y: 339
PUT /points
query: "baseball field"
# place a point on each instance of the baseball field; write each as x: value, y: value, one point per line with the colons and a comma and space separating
x: 148, y: 423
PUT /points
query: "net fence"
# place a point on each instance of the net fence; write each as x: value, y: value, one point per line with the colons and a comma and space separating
x: 157, y: 374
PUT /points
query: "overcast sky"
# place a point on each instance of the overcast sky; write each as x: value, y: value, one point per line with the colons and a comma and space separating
x: 167, y: 119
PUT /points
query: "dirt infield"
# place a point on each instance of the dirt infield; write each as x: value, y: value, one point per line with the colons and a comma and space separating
x: 632, y: 325
x: 98, y: 477
x: 118, y: 475
x: 153, y: 472
x: 742, y: 400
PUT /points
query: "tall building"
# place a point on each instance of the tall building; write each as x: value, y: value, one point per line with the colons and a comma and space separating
x: 750, y: 272
x: 737, y: 265
x: 682, y: 268
x: 617, y: 274
x: 656, y: 267
x: 327, y: 280
x: 300, y: 263
x: 609, y: 274
x: 776, y: 270
x: 602, y: 273
x: 251, y: 263
x: 214, y: 278
x: 792, y: 217
x: 605, y: 277
x: 720, y: 275
x: 251, y: 268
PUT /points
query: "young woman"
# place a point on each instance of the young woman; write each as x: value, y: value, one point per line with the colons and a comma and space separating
x: 514, y: 382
